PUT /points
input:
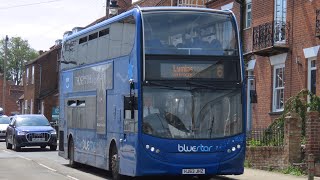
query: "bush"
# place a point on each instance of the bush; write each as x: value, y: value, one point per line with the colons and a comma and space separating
x: 293, y: 171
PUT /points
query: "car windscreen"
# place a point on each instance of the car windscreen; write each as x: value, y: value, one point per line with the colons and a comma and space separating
x: 4, y: 120
x: 32, y: 121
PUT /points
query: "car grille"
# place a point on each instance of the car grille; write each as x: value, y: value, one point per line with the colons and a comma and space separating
x: 38, y: 137
x: 3, y: 131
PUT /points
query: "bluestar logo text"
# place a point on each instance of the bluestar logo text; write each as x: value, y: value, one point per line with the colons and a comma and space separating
x: 200, y: 148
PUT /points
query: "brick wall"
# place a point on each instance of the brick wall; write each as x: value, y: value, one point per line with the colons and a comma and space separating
x: 312, y: 134
x: 12, y: 94
x: 313, y: 140
x: 279, y: 157
x: 45, y: 79
x: 50, y: 102
x: 266, y: 158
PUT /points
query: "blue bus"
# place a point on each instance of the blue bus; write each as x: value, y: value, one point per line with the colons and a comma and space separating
x: 155, y: 91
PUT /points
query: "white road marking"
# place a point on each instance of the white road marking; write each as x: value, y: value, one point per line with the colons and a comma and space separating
x: 7, y: 151
x: 47, y: 167
x: 72, y: 177
x: 51, y: 169
x: 24, y: 158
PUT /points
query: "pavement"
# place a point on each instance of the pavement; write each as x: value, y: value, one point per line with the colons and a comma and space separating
x: 255, y: 174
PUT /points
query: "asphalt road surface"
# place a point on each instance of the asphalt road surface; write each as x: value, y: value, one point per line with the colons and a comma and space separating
x: 40, y: 164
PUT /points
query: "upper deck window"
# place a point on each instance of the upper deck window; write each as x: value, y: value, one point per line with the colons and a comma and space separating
x: 189, y: 33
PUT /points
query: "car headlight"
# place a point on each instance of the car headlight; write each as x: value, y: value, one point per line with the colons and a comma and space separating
x: 53, y: 132
x: 21, y: 133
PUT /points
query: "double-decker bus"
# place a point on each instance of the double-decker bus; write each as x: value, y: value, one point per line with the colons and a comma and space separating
x: 185, y: 63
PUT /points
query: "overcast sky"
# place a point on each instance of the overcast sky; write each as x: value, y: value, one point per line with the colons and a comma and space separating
x: 41, y: 22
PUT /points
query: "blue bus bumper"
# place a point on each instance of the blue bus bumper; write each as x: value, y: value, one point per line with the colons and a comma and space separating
x: 154, y: 166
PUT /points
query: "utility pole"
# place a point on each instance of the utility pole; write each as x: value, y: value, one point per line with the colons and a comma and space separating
x: 4, y: 74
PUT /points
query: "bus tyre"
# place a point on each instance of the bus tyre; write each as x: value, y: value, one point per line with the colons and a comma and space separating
x: 115, y: 162
x: 72, y: 163
x: 53, y: 148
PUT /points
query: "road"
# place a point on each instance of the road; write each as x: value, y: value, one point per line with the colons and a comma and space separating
x: 39, y: 164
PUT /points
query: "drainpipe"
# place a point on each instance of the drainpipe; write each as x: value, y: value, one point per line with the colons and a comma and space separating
x: 40, y: 81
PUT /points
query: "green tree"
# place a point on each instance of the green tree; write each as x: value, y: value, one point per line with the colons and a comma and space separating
x: 19, y: 53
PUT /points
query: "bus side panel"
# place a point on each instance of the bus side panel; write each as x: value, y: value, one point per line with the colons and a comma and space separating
x: 102, y: 152
x: 85, y: 142
x: 65, y: 87
x: 115, y: 116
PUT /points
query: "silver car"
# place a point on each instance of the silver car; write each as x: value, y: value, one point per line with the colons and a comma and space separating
x: 4, y: 123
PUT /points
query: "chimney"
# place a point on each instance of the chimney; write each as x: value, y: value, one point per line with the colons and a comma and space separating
x: 41, y: 52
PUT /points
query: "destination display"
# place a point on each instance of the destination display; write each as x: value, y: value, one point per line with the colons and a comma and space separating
x: 212, y: 70
x: 187, y: 70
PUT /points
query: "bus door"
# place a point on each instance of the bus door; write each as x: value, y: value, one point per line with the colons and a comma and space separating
x: 130, y: 131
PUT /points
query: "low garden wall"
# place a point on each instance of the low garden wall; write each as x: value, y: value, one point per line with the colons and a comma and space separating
x: 281, y: 156
x: 266, y: 157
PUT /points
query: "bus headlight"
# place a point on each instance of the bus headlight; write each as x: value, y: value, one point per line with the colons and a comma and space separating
x: 152, y: 149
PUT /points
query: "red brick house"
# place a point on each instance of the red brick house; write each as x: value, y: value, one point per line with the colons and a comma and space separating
x: 41, y: 81
x: 12, y: 94
x: 280, y: 44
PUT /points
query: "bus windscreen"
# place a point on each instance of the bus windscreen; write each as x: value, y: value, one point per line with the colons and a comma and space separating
x: 189, y: 33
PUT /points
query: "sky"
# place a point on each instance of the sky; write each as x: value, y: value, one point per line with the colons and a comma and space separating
x: 42, y: 22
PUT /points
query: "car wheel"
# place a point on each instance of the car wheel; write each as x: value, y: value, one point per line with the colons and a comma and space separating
x: 42, y: 147
x: 8, y: 145
x: 53, y: 148
x: 15, y: 146
x: 72, y: 163
x: 115, y: 162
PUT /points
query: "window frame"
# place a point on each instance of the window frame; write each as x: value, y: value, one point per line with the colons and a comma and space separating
x: 248, y: 22
x: 31, y: 106
x: 27, y: 76
x: 274, y: 88
x: 25, y: 106
x: 310, y: 69
x: 32, y: 75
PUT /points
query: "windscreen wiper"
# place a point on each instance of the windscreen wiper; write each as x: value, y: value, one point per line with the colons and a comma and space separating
x: 158, y: 84
x: 201, y: 84
x: 219, y: 87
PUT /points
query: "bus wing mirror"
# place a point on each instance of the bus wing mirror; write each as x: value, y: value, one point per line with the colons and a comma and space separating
x: 130, y: 104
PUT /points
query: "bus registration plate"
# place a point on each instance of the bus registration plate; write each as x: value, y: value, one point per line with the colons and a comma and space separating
x: 193, y: 171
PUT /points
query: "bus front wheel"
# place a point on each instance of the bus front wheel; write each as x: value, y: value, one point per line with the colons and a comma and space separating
x: 72, y: 163
x: 115, y: 162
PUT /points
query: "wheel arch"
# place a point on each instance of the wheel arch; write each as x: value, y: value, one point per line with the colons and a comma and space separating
x: 112, y: 145
x: 70, y: 137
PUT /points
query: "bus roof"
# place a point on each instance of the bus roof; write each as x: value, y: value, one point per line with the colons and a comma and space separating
x: 142, y: 9
x: 175, y: 8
